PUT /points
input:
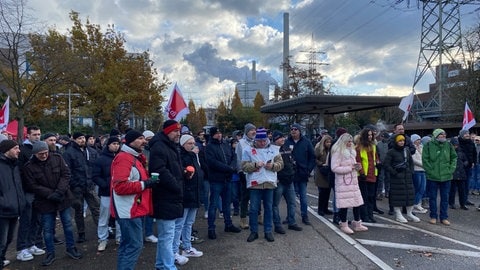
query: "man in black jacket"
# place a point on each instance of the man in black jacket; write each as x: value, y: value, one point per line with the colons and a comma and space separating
x: 167, y: 194
x: 284, y: 186
x: 11, y: 194
x: 47, y: 176
x: 80, y: 158
x: 102, y: 177
x: 221, y: 166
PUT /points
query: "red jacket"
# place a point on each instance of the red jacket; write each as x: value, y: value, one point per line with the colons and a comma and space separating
x: 129, y: 198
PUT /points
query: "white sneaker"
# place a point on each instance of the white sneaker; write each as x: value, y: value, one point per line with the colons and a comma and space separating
x: 151, y: 239
x: 413, y: 218
x: 6, y: 262
x: 417, y: 208
x: 102, y: 245
x: 192, y: 252
x: 205, y: 216
x: 180, y: 260
x: 220, y: 215
x: 24, y: 255
x: 34, y: 250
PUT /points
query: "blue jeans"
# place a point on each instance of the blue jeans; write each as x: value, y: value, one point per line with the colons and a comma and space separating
x: 183, y: 229
x: 219, y: 190
x: 165, y: 258
x: 475, y: 179
x: 131, y: 244
x: 29, y: 230
x: 148, y: 225
x: 288, y: 192
x: 205, y: 193
x: 103, y: 219
x: 301, y: 189
x: 7, y: 229
x: 236, y: 196
x: 419, y: 183
x: 48, y: 223
x: 433, y: 187
x: 257, y: 195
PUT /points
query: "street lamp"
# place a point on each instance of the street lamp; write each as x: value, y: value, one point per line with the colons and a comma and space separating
x: 69, y: 94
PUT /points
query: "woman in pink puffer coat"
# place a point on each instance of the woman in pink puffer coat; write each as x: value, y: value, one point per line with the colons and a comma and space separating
x: 347, y: 192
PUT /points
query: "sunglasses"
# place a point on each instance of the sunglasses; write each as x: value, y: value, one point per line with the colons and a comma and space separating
x: 294, y: 129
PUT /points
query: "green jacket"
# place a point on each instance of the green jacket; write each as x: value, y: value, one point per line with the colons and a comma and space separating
x: 439, y: 160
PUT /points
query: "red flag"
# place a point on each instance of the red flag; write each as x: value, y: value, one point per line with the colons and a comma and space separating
x: 4, y: 115
x: 468, y: 118
x: 176, y: 107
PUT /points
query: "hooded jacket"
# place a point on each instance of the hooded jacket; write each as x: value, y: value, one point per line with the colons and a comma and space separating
x: 130, y: 198
x: 439, y: 160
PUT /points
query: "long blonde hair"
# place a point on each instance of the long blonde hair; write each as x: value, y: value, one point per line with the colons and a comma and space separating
x: 341, y: 146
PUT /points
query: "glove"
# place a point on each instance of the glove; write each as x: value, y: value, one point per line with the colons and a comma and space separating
x: 150, y: 182
x: 362, y: 177
x: 56, y: 196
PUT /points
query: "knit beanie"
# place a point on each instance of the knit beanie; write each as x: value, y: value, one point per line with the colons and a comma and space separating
x: 454, y: 141
x: 39, y: 147
x: 415, y: 137
x: 426, y: 139
x: 114, y: 132
x: 113, y: 139
x: 185, y: 138
x: 340, y: 131
x: 297, y: 126
x: 131, y: 136
x: 437, y: 132
x: 48, y: 135
x: 6, y: 145
x: 77, y: 135
x: 248, y: 127
x: 462, y: 133
x: 276, y: 135
x: 3, y: 137
x: 213, y: 131
x: 171, y: 125
x: 148, y: 133
x: 261, y: 134
x: 399, y: 137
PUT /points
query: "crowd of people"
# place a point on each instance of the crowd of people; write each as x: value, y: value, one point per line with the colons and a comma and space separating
x: 129, y: 182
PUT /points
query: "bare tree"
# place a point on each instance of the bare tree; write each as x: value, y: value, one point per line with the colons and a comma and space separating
x: 17, y: 79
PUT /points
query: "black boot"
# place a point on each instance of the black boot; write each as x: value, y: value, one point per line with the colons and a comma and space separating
x: 336, y: 219
x: 81, y: 238
x: 49, y: 259
x: 74, y: 253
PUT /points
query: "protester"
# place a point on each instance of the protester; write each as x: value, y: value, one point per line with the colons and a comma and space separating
x: 322, y: 170
x: 419, y: 178
x: 11, y: 195
x: 284, y: 186
x: 131, y: 198
x: 367, y: 157
x: 168, y: 194
x: 101, y: 176
x: 459, y: 176
x: 304, y: 156
x: 347, y: 191
x: 439, y: 161
x: 47, y: 175
x: 399, y: 165
x: 261, y: 163
x: 191, y: 197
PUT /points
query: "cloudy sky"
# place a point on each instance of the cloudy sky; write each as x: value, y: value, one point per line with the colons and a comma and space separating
x: 206, y: 46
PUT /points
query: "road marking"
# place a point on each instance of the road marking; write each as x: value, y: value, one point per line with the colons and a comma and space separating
x: 351, y: 241
x: 465, y: 253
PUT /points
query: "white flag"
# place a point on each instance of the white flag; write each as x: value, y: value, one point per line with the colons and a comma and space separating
x: 406, y: 105
x: 468, y: 118
x: 4, y: 115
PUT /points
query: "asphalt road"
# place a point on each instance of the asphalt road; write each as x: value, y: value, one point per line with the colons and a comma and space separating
x: 387, y: 245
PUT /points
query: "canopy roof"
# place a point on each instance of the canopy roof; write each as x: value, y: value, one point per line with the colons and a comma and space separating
x: 329, y: 104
